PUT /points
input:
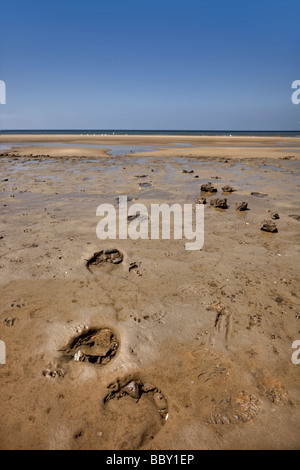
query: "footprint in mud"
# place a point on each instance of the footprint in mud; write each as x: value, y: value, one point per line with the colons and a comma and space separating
x: 139, y: 406
x: 217, y: 397
x: 274, y: 390
x: 53, y: 372
x: 18, y: 303
x: 223, y: 322
x: 135, y: 268
x: 235, y: 410
x: 100, y: 258
x: 97, y: 346
x: 10, y: 321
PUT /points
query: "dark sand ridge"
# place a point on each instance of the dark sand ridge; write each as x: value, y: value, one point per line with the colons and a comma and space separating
x: 210, y: 331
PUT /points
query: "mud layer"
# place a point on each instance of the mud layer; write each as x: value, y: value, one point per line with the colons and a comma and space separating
x: 164, y: 348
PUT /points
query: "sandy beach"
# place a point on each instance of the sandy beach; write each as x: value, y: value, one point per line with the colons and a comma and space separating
x: 191, y: 349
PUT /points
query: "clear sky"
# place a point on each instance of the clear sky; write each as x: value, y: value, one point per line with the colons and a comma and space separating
x: 150, y: 64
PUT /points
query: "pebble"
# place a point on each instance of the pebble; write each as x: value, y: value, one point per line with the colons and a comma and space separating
x: 208, y: 187
x: 133, y: 389
x: 241, y: 206
x: 219, y: 202
x: 228, y: 189
x: 269, y: 226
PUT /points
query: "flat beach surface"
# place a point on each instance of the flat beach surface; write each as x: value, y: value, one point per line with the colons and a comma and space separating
x: 194, y: 347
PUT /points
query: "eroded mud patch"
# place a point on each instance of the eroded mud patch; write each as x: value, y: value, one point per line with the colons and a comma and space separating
x: 95, y: 346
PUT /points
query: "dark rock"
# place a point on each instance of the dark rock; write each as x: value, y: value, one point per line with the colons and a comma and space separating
x: 219, y: 202
x: 228, y: 189
x: 241, y: 206
x: 269, y: 226
x: 208, y: 187
x: 133, y: 389
x: 275, y: 215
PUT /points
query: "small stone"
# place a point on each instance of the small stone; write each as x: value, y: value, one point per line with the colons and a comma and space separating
x: 133, y: 389
x: 269, y: 226
x: 208, y: 187
x: 241, y: 206
x: 275, y: 215
x: 228, y: 189
x: 219, y: 202
x: 77, y: 356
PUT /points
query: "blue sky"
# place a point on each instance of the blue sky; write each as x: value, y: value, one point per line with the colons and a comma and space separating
x: 139, y: 64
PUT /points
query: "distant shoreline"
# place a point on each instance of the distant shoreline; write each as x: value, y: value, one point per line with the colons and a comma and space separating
x: 198, y: 146
x: 207, y: 133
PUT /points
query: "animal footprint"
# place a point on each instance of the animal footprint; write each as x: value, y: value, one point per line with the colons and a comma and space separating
x: 135, y: 267
x: 10, y: 321
x: 53, y: 372
x: 223, y: 320
x: 18, y: 303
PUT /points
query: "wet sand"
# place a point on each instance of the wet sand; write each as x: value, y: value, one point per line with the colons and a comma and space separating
x: 203, y: 338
